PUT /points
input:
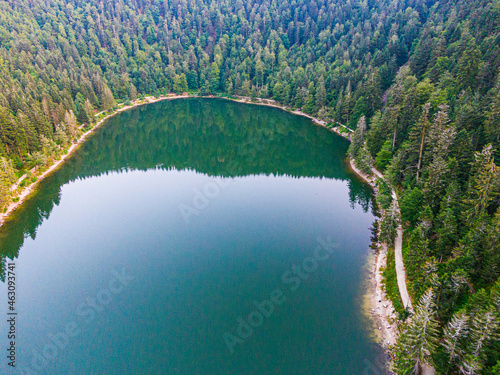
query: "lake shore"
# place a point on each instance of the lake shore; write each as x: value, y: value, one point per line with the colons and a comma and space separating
x: 272, y: 103
x: 378, y: 307
x: 376, y: 304
x: 28, y: 190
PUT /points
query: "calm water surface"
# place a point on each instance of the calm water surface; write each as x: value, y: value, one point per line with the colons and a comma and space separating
x: 182, y: 238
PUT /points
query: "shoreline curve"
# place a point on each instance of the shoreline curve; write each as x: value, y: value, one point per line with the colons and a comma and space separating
x: 381, y: 310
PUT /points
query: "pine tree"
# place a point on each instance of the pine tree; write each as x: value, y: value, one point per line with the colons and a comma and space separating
x: 469, y: 63
x: 133, y: 92
x: 29, y: 129
x: 492, y: 123
x: 214, y: 78
x: 309, y: 105
x: 376, y: 136
x: 345, y: 105
x: 60, y: 136
x: 11, y: 135
x: 447, y: 220
x: 373, y: 92
x: 358, y: 138
x: 365, y: 161
x: 418, y: 251
x: 484, y: 185
x: 70, y: 124
x: 80, y: 109
x: 436, y: 182
x: 384, y: 156
x: 392, y: 117
x: 389, y: 225
x: 455, y: 335
x: 421, y: 128
x: 4, y: 191
x: 418, y: 338
x: 484, y: 328
x: 108, y: 101
x: 495, y: 294
x: 89, y: 109
x: 441, y: 135
x: 180, y: 84
x: 320, y: 94
x: 7, y: 170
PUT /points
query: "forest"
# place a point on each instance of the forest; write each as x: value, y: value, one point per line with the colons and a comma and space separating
x: 418, y: 80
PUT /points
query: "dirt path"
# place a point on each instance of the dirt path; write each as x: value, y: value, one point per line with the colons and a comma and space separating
x: 398, y: 253
x: 427, y: 370
x: 18, y: 182
x: 400, y: 268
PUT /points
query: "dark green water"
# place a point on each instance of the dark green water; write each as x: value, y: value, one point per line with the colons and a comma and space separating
x: 170, y: 226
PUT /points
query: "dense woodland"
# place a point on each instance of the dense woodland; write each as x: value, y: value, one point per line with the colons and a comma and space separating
x: 418, y: 79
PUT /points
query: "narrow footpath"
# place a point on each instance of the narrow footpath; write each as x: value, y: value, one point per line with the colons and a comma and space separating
x: 398, y: 252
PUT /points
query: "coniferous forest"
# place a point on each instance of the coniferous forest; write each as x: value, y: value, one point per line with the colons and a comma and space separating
x: 418, y: 80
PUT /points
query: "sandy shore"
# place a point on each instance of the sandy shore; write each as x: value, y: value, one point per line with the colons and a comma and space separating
x: 28, y: 190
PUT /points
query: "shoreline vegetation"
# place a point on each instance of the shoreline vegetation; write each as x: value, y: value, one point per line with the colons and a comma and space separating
x: 20, y: 193
x: 381, y: 309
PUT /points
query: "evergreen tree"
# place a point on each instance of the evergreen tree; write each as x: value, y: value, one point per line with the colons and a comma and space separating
x: 384, y: 156
x: 108, y: 101
x: 492, y: 123
x: 484, y: 328
x: 214, y: 80
x: 389, y: 225
x: 358, y: 138
x: 469, y: 63
x: 455, y: 336
x: 133, y: 92
x: 418, y: 136
x: 180, y: 84
x: 418, y: 338
x: 320, y: 94
x: 484, y: 185
x: 89, y: 110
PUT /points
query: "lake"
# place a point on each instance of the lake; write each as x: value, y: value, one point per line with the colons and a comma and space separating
x: 197, y: 236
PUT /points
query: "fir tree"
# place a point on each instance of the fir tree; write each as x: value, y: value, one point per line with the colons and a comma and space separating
x: 418, y: 338
x: 358, y: 138
x: 455, y: 335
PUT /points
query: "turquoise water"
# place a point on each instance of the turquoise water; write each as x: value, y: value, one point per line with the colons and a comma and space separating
x: 194, y: 236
